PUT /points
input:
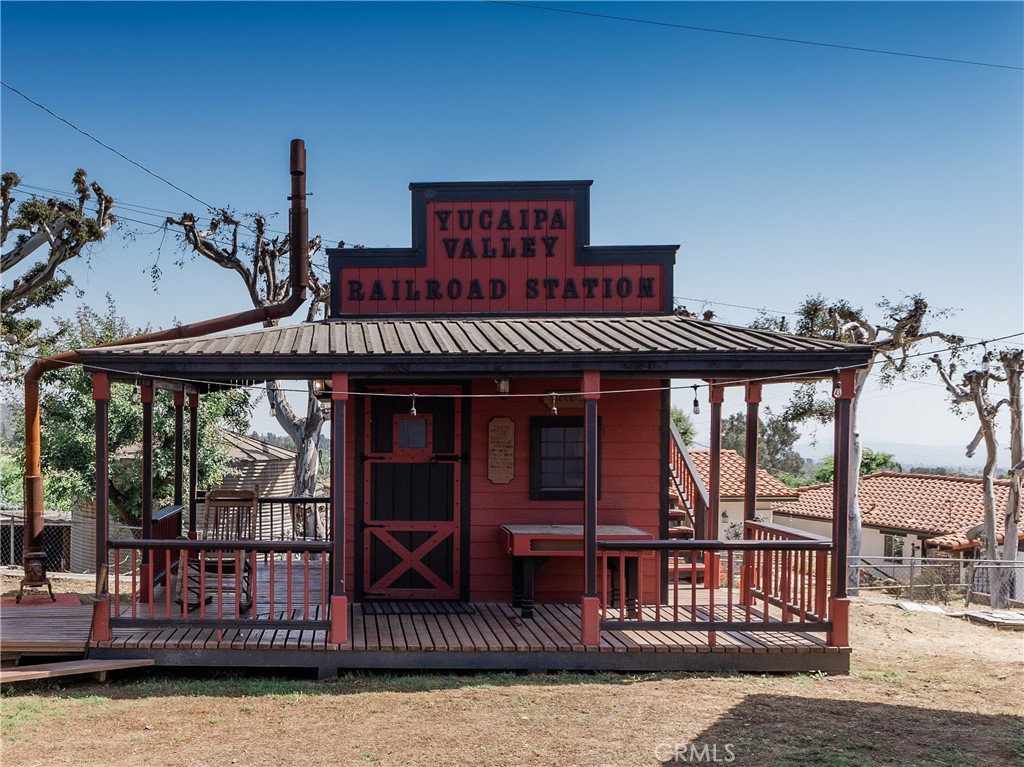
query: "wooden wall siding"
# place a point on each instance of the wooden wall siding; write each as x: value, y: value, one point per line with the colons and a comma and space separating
x: 273, y: 477
x: 630, y: 491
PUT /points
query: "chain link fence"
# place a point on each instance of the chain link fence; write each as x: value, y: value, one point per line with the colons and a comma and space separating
x: 56, y: 541
x: 944, y: 580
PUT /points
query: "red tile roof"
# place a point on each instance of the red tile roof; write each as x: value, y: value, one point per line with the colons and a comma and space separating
x: 959, y: 541
x: 924, y: 503
x: 733, y: 477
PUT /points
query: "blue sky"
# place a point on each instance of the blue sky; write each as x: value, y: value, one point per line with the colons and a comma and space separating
x: 780, y: 169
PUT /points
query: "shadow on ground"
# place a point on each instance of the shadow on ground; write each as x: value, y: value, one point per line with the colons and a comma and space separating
x: 792, y: 731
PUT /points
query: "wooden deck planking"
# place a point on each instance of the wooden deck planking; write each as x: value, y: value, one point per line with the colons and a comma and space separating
x: 490, y: 627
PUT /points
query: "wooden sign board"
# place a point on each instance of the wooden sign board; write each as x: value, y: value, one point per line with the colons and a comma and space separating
x: 498, y: 248
x: 501, y: 450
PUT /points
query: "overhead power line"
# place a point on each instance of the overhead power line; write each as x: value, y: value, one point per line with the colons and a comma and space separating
x: 106, y: 146
x: 773, y: 38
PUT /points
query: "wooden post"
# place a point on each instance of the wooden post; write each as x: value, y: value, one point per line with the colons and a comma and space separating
x: 101, y: 396
x: 193, y: 461
x: 339, y: 600
x: 590, y: 609
x: 753, y: 391
x: 716, y: 396
x: 146, y: 567
x: 179, y: 446
x: 839, y: 605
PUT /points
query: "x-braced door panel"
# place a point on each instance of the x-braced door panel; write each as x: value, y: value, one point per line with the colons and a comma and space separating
x: 412, y: 496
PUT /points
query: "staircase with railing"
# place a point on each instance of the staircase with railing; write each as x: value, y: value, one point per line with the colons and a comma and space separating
x: 689, y: 518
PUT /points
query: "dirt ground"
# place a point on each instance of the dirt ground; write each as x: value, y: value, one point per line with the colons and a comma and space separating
x: 925, y: 689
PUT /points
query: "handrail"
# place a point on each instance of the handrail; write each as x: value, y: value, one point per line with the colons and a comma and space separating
x: 202, y: 545
x: 687, y: 481
x: 683, y: 545
x: 785, y: 533
x: 168, y: 511
x: 691, y: 470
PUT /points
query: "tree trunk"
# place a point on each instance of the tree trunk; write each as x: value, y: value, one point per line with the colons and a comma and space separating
x: 1011, y: 514
x: 853, y: 529
x: 997, y: 582
x: 305, y: 434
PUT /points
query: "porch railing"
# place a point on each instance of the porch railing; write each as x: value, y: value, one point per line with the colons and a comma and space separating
x: 287, y: 518
x: 767, y: 585
x: 284, y: 518
x: 220, y: 584
x: 166, y: 527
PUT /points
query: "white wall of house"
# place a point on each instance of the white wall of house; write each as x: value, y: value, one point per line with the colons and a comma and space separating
x: 730, y: 517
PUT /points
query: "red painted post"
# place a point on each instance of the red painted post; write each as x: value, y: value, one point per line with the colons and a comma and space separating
x: 100, y: 630
x: 101, y: 395
x: 339, y: 601
x: 716, y: 395
x: 179, y: 447
x: 146, y: 395
x: 193, y: 461
x: 839, y: 609
x: 753, y: 397
x: 590, y: 620
x: 590, y: 612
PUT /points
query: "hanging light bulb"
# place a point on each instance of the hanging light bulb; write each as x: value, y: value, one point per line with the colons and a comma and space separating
x: 273, y: 406
x: 696, y: 402
x: 412, y: 410
x: 136, y: 396
x: 837, y: 392
x: 554, y: 403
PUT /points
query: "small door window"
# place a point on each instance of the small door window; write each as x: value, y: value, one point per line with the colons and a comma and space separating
x: 412, y: 433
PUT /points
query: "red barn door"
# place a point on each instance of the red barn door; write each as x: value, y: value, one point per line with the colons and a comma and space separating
x: 412, y: 486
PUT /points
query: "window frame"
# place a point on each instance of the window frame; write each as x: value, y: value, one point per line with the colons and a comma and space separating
x: 537, y: 426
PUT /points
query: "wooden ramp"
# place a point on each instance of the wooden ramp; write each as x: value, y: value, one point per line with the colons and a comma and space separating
x: 98, y: 668
x: 45, y: 629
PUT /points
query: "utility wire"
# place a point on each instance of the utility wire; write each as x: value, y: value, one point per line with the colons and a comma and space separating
x: 755, y: 36
x: 107, y: 146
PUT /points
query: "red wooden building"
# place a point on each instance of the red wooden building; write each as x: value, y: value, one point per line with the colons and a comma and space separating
x: 502, y: 458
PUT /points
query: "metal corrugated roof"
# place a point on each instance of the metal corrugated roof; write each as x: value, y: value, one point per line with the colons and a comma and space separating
x: 662, y: 343
x: 490, y: 335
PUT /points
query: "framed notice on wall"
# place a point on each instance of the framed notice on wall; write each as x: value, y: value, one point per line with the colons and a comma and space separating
x: 501, y: 453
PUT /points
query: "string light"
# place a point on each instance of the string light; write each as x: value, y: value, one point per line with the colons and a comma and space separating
x: 412, y: 410
x: 837, y: 392
x: 696, y: 402
x: 554, y: 403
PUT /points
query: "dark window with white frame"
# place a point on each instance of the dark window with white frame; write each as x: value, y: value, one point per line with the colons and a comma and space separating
x: 558, y: 458
x: 893, y: 546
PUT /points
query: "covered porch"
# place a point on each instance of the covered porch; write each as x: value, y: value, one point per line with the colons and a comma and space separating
x: 311, y: 593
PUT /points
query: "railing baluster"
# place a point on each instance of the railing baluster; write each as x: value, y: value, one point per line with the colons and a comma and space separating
x: 270, y: 564
x: 135, y: 592
x: 305, y: 585
x: 728, y: 585
x: 288, y: 599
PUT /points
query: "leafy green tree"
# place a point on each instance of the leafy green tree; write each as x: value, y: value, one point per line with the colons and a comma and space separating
x: 684, y: 424
x: 775, y: 440
x: 68, y: 437
x: 871, y: 462
x: 59, y: 228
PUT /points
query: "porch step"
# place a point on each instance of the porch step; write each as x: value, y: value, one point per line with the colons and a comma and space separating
x: 98, y: 668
